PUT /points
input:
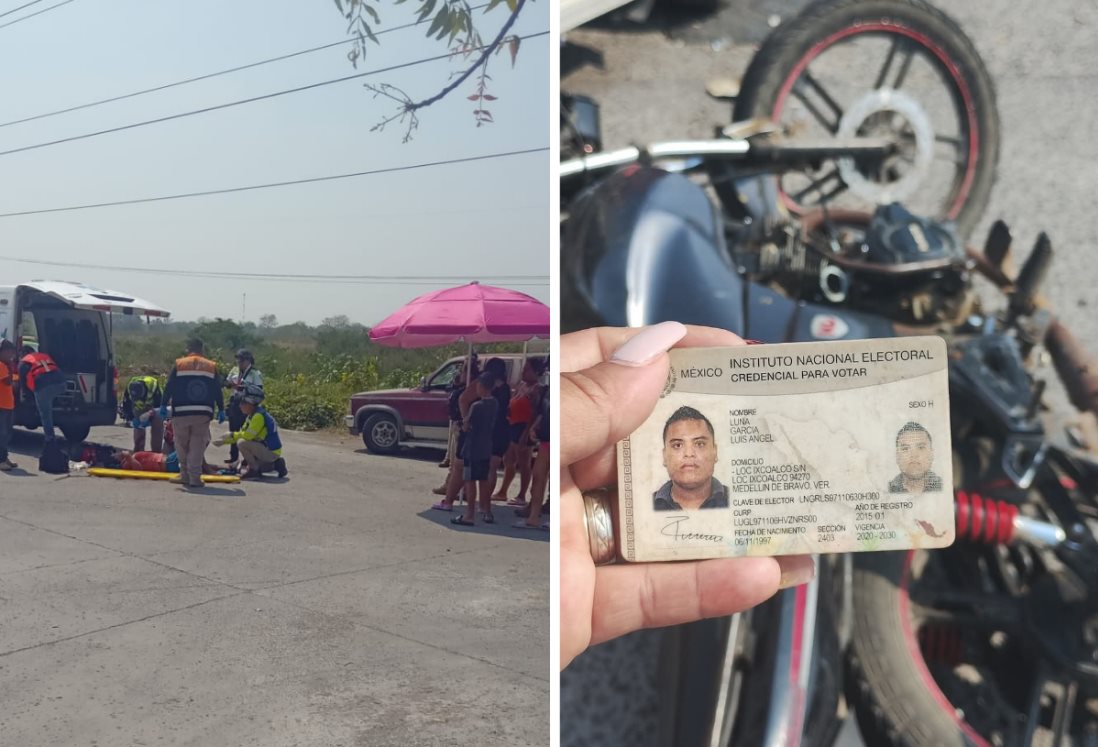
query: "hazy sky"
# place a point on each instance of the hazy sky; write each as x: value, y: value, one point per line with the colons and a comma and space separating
x: 469, y: 220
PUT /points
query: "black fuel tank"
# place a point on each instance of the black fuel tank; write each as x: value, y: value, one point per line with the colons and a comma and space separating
x: 645, y: 246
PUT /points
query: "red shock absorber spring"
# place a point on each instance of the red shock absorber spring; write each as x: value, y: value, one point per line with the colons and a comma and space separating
x: 941, y: 644
x: 983, y: 519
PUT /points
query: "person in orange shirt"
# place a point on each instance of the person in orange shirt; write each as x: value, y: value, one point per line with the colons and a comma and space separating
x: 7, y: 402
x: 520, y: 417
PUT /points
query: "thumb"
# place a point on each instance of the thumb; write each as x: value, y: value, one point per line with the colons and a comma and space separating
x: 605, y: 403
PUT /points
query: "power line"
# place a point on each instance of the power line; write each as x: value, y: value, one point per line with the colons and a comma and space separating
x: 32, y: 15
x: 207, y: 76
x: 270, y: 185
x: 279, y: 275
x: 239, y: 102
x: 349, y: 280
x: 16, y: 10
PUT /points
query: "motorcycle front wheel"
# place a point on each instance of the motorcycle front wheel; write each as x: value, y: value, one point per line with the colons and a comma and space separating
x: 969, y: 646
x: 896, y: 698
x: 897, y: 69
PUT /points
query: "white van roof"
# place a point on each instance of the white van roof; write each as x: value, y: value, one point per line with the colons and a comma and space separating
x: 82, y: 296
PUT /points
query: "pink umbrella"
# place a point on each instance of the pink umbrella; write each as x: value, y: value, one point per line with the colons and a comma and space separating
x: 469, y: 313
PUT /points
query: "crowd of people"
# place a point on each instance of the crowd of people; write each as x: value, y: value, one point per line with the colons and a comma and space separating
x: 177, y: 416
x: 193, y: 395
x: 493, y: 427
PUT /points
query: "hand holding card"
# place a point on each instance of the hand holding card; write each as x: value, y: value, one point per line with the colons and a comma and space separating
x: 611, y: 382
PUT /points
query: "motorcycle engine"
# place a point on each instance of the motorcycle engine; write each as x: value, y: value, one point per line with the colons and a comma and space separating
x: 910, y: 269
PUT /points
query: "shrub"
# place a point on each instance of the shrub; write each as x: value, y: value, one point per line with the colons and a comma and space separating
x: 301, y: 406
x: 308, y: 386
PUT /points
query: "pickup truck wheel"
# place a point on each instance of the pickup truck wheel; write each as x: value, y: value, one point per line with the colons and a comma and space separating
x: 76, y: 433
x: 381, y: 434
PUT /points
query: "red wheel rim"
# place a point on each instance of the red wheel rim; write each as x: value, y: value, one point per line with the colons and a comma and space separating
x: 916, y: 655
x: 958, y: 79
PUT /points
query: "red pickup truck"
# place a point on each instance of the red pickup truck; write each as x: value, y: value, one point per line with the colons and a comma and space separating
x: 390, y: 418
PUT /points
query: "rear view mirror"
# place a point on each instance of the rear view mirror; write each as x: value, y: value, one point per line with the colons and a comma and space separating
x: 423, y: 383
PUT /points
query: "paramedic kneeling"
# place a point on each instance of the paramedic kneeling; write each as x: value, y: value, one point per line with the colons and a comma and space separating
x: 258, y: 440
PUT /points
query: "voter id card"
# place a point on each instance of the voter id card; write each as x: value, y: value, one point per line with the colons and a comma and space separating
x: 790, y: 449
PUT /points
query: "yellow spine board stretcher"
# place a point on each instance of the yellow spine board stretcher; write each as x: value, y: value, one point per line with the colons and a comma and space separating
x: 134, y: 475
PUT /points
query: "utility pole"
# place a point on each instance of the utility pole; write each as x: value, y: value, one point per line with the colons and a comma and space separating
x: 244, y: 309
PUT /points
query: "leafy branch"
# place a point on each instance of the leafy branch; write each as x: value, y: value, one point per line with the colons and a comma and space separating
x: 452, y: 21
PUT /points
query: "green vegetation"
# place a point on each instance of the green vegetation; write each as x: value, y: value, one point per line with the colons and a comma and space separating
x: 309, y: 372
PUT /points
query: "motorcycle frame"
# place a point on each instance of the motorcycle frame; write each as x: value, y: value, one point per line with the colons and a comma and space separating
x: 799, y: 628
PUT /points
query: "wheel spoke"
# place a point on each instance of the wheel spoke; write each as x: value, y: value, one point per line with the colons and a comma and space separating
x: 952, y: 149
x: 806, y: 84
x: 1033, y: 710
x: 817, y: 185
x: 900, y: 53
x: 1065, y: 709
x: 837, y: 190
x: 1061, y: 696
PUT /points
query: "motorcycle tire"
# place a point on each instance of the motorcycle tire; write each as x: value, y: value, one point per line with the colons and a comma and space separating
x: 895, y: 698
x: 787, y: 51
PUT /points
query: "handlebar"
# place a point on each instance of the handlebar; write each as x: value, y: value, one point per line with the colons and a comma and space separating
x: 613, y: 159
x: 754, y: 153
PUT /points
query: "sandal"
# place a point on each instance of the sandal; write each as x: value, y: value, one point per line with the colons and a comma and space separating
x: 488, y: 518
x: 460, y: 521
x: 440, y: 506
x: 524, y: 525
x: 516, y: 503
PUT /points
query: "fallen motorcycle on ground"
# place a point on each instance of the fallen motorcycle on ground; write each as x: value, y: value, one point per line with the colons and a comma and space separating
x: 802, y: 221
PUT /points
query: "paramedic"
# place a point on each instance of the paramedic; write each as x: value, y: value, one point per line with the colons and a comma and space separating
x: 41, y: 375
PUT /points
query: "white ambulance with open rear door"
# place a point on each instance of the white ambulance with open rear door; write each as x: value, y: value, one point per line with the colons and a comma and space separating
x: 72, y: 322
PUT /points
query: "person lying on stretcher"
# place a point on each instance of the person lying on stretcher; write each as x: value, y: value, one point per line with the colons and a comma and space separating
x: 153, y: 461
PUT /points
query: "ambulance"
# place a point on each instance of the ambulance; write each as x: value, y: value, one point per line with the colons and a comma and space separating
x: 73, y: 322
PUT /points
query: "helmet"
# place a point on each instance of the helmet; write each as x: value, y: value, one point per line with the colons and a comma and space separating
x: 245, y: 354
x: 138, y: 389
x: 253, y: 394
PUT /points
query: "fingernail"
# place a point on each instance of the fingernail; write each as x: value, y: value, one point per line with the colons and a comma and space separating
x: 796, y: 570
x: 643, y: 347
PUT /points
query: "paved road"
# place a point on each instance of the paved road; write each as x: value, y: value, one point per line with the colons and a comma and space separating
x: 1041, y: 55
x: 327, y: 610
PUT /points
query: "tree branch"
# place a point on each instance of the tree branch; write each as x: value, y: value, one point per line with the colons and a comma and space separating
x: 488, y: 50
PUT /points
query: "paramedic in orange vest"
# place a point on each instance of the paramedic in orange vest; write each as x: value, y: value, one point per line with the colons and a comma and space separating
x: 41, y: 375
x: 7, y: 402
x: 193, y: 391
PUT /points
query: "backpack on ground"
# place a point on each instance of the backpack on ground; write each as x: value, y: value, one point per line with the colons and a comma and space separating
x: 54, y: 460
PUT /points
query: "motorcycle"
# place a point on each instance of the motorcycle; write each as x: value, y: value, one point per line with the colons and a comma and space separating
x: 765, y: 231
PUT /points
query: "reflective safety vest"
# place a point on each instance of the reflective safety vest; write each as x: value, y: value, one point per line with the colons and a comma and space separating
x: 194, y: 387
x: 40, y: 363
x: 272, y: 441
x: 152, y: 388
x: 261, y: 427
